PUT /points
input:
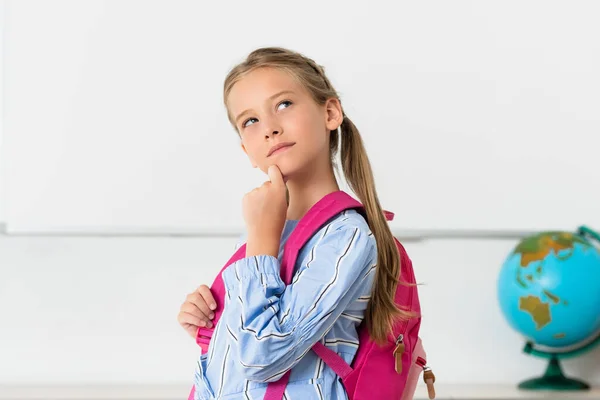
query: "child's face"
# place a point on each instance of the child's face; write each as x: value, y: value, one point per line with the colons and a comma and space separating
x: 292, y: 117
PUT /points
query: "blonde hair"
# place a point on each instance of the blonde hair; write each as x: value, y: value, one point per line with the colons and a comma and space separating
x: 382, y: 311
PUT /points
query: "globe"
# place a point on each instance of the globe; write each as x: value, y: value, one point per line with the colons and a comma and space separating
x: 549, y: 291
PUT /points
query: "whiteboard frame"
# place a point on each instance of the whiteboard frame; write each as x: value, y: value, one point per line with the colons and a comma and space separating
x: 404, y: 235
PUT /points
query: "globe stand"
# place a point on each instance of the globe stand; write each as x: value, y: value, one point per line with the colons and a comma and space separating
x: 553, y: 379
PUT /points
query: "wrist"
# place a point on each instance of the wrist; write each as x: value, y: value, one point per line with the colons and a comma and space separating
x: 259, y: 243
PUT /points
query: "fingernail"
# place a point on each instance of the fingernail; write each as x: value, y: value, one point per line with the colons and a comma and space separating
x: 209, y: 324
x: 211, y: 315
x: 213, y: 306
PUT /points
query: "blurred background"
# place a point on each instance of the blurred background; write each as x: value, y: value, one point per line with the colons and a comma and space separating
x: 121, y: 179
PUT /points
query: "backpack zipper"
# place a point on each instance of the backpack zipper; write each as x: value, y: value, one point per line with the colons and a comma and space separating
x: 428, y: 377
x: 400, y: 338
x: 398, y: 351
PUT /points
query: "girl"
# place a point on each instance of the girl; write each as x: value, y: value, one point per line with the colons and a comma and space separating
x: 290, y: 119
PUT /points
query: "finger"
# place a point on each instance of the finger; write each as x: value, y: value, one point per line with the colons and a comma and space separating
x: 185, y: 318
x: 191, y: 315
x: 191, y: 330
x: 275, y: 175
x: 193, y: 309
x: 208, y: 297
x: 197, y: 300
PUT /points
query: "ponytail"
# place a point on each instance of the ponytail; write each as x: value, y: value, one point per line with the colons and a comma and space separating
x: 382, y: 311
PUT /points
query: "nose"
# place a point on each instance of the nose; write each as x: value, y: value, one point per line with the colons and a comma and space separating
x: 270, y: 133
x: 272, y: 129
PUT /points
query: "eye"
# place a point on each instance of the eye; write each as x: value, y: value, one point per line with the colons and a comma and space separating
x: 246, y: 121
x: 284, y: 102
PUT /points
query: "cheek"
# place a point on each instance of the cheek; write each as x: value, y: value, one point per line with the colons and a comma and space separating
x: 253, y: 151
x: 318, y: 133
x: 305, y: 127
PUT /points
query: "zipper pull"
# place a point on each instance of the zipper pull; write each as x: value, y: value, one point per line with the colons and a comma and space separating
x: 429, y: 379
x: 398, y: 351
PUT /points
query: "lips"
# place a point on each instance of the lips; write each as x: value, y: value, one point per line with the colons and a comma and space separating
x: 279, y: 146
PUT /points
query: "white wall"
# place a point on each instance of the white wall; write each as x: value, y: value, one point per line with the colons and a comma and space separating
x: 103, y: 310
x: 123, y: 98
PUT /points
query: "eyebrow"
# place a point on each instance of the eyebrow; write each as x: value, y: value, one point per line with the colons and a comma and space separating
x: 270, y: 98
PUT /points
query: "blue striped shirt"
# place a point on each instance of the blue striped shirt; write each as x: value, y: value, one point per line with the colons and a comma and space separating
x: 267, y: 328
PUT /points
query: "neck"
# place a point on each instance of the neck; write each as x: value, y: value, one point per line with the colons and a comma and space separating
x: 306, y: 190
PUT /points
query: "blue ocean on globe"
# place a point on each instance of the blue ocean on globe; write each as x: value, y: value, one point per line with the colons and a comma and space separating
x: 549, y: 289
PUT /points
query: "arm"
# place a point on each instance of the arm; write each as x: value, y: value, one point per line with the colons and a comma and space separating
x: 274, y: 325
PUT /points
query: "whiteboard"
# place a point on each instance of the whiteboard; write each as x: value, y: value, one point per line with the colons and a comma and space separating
x: 476, y: 115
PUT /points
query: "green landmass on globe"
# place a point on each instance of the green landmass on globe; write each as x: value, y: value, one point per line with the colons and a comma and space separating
x: 537, y: 248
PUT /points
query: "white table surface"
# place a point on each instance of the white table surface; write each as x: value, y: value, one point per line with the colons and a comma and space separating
x: 179, y: 392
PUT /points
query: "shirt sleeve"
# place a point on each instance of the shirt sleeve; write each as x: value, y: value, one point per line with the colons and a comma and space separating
x: 274, y: 325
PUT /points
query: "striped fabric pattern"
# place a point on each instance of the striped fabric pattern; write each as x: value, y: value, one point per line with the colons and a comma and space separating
x: 267, y: 328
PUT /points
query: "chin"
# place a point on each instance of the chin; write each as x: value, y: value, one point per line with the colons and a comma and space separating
x: 287, y: 169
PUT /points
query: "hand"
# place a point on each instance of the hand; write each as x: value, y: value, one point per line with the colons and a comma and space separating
x: 265, y: 207
x: 197, y: 310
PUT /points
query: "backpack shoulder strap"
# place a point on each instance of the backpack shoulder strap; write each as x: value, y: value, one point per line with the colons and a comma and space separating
x: 328, y: 207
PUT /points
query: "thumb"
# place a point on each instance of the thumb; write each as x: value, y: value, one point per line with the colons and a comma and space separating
x: 275, y: 176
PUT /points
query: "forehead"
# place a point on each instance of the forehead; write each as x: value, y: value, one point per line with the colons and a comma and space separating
x: 257, y: 86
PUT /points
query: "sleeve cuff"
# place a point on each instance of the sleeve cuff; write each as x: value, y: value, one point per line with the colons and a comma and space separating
x: 251, y: 268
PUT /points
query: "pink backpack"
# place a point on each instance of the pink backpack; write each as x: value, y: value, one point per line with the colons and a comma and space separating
x: 377, y: 372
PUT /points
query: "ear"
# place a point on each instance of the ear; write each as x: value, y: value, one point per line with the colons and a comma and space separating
x: 334, y: 114
x: 249, y: 158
